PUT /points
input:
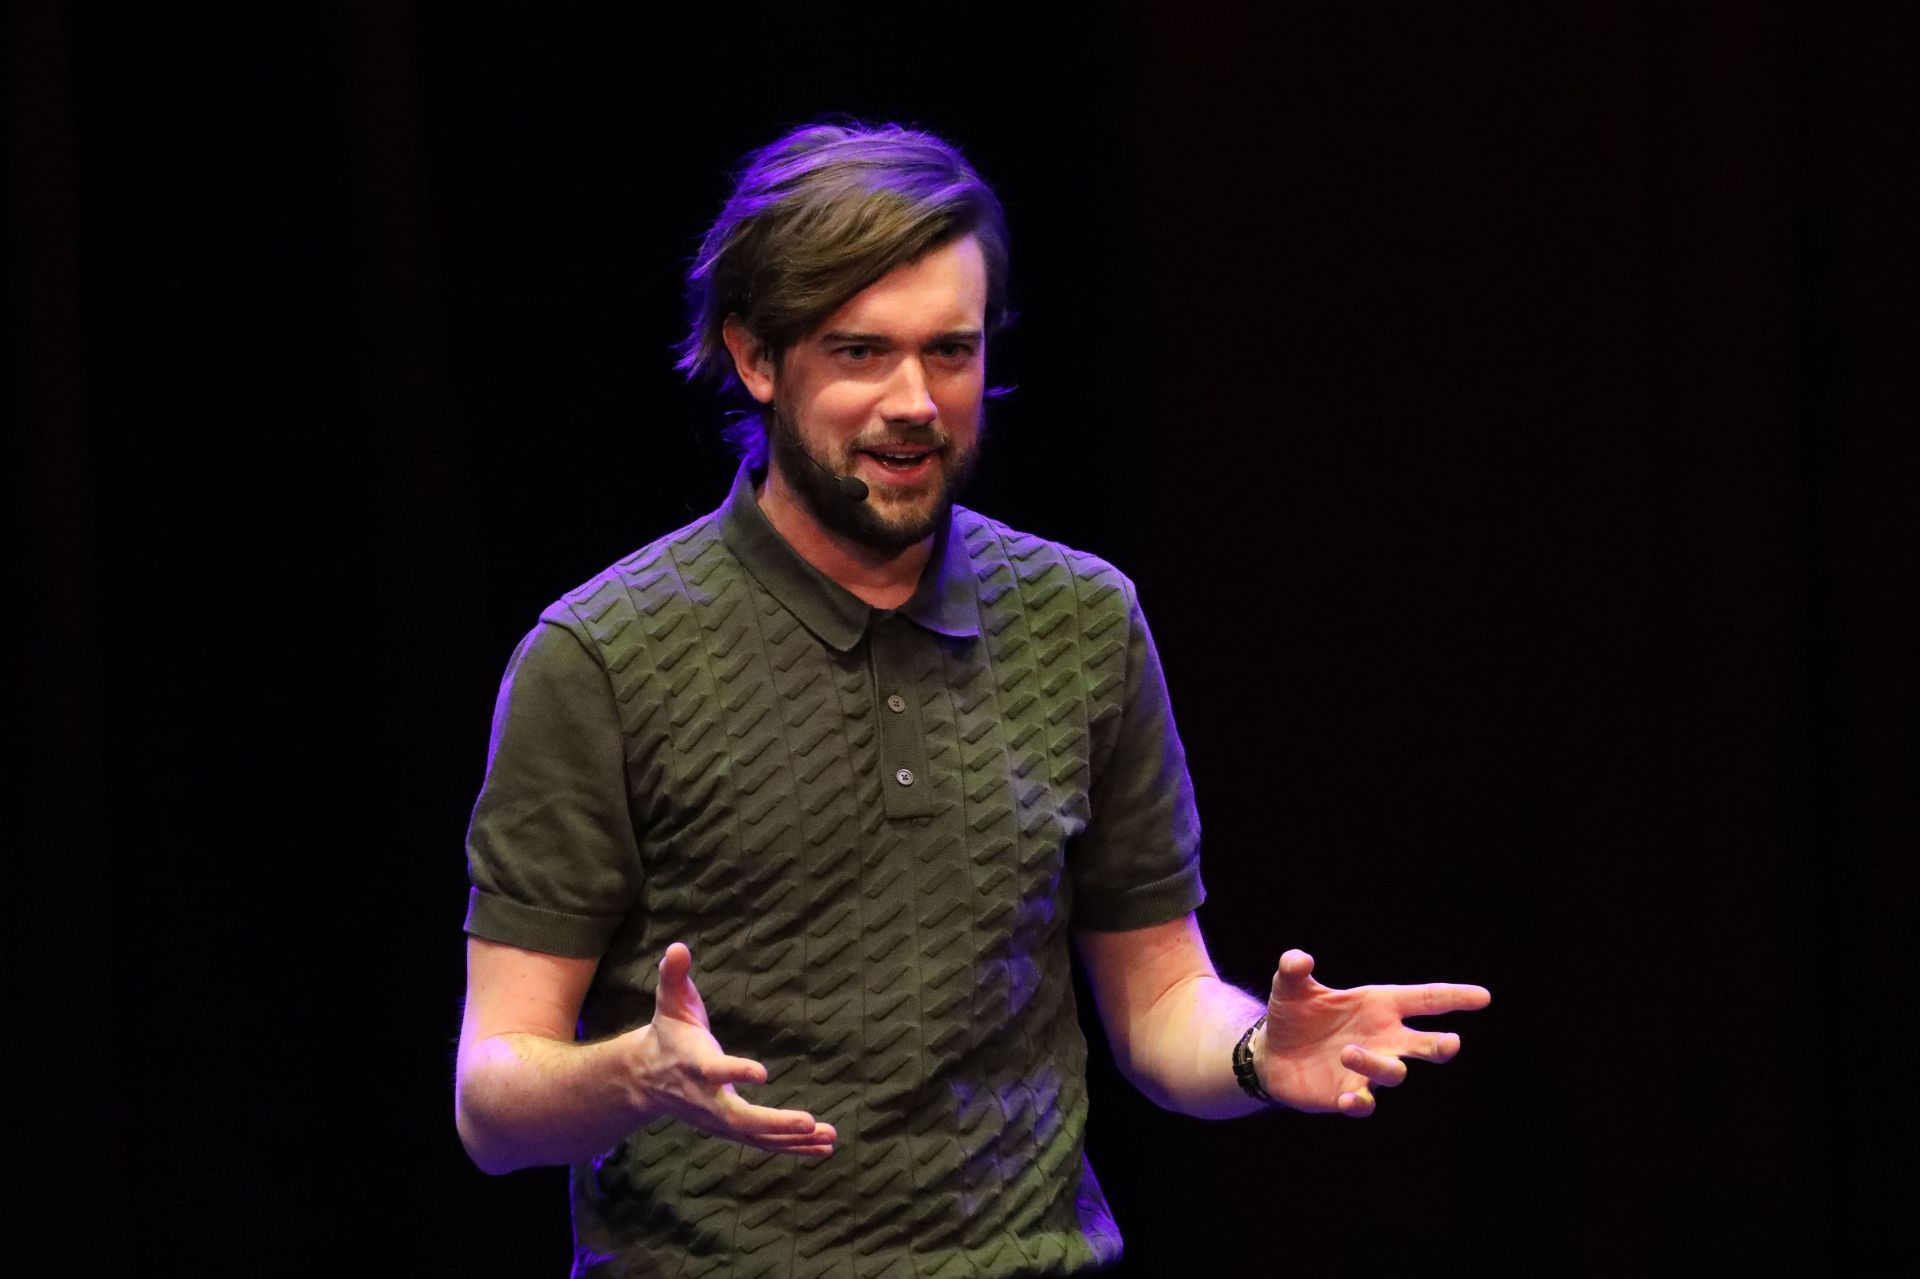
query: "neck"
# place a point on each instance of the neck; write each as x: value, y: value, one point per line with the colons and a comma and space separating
x: 884, y: 579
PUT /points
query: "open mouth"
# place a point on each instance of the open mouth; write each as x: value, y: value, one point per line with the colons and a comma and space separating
x: 905, y: 463
x: 897, y: 461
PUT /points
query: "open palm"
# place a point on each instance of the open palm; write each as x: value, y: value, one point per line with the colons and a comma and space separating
x: 1324, y: 1049
x: 689, y: 1076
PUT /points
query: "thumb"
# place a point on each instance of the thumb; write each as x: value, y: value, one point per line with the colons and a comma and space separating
x: 1294, y: 977
x: 677, y: 997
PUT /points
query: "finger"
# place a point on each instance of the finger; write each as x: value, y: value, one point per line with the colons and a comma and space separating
x: 1434, y: 1047
x: 1439, y: 997
x: 729, y: 1070
x: 1379, y: 1068
x: 1293, y: 979
x: 1357, y: 1104
x: 678, y: 997
x: 821, y: 1141
x: 822, y: 1135
x: 744, y: 1119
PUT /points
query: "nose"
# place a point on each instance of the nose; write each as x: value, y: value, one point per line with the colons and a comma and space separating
x: 908, y: 397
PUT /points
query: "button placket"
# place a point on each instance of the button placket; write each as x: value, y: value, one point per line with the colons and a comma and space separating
x: 904, y: 788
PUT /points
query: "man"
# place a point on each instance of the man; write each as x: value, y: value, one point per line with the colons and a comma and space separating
x: 873, y: 759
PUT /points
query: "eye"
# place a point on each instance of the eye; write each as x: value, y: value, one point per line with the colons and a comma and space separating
x: 855, y: 352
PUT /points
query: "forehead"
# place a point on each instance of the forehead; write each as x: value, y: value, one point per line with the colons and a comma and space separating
x: 943, y: 291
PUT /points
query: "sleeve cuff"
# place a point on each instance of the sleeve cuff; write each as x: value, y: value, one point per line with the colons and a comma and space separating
x: 551, y: 932
x: 1144, y: 906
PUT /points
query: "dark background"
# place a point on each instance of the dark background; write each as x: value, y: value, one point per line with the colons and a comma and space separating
x: 1508, y: 412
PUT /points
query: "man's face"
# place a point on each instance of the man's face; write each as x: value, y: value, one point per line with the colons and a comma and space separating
x: 888, y: 389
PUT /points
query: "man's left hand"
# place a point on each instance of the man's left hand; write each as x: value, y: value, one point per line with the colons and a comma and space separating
x: 1323, y: 1049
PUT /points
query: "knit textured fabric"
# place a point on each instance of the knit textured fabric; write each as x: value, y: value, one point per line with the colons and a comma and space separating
x: 875, y: 831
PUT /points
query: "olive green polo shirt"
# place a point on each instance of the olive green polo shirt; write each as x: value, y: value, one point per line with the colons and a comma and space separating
x: 875, y: 829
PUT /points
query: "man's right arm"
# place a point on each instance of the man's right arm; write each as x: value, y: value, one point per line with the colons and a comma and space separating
x: 526, y: 1094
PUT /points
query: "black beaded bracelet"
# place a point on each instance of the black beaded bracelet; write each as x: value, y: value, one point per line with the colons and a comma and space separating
x: 1243, y: 1071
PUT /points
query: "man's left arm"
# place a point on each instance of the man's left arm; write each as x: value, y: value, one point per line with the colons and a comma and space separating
x: 1174, y: 1024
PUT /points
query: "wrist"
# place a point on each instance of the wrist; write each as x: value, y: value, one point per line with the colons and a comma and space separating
x: 639, y: 1074
x: 1246, y: 1056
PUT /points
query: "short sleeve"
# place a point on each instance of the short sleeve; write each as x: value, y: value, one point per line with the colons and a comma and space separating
x: 1138, y: 861
x: 551, y: 850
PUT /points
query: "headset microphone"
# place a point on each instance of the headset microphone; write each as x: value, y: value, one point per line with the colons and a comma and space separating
x: 852, y: 487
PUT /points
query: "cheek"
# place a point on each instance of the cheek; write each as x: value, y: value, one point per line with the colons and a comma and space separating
x: 959, y: 402
x: 840, y: 408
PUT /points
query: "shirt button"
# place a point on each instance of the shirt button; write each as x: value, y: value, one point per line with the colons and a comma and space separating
x: 896, y: 703
x: 904, y: 777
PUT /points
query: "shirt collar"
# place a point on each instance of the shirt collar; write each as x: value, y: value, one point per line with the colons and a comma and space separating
x: 943, y: 602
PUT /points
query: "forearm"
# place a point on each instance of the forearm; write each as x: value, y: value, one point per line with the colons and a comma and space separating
x: 1179, y: 1051
x: 524, y: 1100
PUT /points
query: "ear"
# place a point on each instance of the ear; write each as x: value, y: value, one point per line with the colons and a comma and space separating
x: 751, y: 362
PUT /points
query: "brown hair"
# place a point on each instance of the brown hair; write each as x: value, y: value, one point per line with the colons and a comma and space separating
x: 819, y: 215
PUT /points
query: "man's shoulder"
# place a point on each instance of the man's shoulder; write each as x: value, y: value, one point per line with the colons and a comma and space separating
x: 673, y: 566
x: 1029, y: 557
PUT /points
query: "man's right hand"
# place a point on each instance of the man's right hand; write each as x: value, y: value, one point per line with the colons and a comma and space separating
x: 526, y: 1095
x: 682, y: 1071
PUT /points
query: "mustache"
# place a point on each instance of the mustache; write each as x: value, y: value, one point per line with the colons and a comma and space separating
x: 923, y: 435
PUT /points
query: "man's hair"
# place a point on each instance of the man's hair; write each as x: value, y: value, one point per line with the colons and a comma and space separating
x: 814, y: 218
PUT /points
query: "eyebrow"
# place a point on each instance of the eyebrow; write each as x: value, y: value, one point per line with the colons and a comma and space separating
x: 881, y: 339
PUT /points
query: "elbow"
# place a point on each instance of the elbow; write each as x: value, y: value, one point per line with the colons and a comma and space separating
x: 484, y: 1156
x: 1141, y: 1073
x: 1151, y: 1086
x: 1172, y: 1080
x: 479, y: 1131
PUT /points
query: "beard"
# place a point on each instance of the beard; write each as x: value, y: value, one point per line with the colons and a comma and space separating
x: 871, y: 522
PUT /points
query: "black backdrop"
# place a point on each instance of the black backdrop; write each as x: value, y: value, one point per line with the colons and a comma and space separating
x: 1507, y: 410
